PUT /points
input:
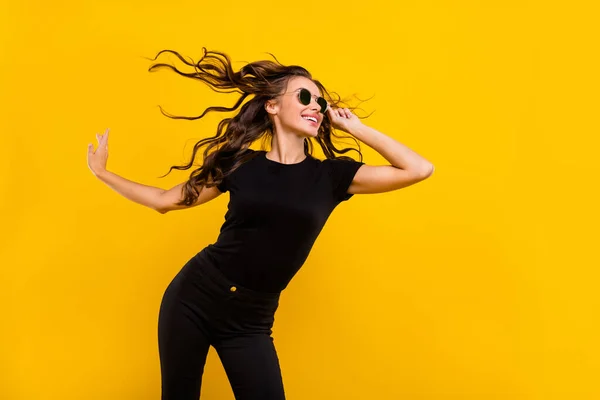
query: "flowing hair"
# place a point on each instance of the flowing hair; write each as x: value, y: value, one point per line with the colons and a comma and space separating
x: 264, y: 80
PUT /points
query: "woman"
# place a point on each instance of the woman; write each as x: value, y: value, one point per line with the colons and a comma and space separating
x: 227, y: 294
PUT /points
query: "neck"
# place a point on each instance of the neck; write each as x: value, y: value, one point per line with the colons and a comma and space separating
x: 287, y: 150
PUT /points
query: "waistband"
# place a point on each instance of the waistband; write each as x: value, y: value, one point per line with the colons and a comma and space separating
x: 206, y: 265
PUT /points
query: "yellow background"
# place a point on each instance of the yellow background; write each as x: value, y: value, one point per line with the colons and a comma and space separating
x: 478, y: 283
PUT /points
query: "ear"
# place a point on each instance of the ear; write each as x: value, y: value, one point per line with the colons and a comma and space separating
x: 272, y: 106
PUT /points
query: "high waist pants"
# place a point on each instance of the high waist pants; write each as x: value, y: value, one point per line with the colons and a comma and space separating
x: 200, y: 308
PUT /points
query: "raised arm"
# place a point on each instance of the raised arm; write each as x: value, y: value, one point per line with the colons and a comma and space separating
x: 407, y: 167
x: 158, y: 199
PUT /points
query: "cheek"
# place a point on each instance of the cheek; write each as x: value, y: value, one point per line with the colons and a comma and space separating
x: 291, y: 115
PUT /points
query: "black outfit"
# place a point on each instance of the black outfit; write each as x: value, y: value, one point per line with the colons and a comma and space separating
x: 227, y: 294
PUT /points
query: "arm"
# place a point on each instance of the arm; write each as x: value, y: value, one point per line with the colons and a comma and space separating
x: 407, y: 167
x: 155, y: 198
x: 158, y: 199
x: 395, y: 152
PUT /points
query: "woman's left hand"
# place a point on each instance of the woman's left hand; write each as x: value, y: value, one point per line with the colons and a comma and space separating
x: 344, y: 119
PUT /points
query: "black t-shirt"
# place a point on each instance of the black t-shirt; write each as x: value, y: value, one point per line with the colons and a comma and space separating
x: 275, y: 213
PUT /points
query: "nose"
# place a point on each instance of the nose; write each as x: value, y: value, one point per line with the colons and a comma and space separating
x: 314, y: 106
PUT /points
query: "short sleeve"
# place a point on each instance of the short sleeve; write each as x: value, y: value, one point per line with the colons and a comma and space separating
x: 342, y: 173
x: 223, y: 186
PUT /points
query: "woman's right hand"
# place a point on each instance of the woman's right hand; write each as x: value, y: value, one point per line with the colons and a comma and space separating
x: 97, y: 159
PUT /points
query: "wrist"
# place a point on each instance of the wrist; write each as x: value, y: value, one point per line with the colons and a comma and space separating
x: 101, y: 173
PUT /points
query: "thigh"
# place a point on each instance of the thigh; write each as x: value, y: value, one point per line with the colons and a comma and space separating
x: 183, y: 344
x: 252, y: 367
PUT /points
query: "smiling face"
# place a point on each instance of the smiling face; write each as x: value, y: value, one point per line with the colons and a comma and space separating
x: 290, y: 115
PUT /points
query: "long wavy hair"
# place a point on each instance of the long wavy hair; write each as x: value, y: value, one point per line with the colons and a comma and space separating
x: 226, y: 151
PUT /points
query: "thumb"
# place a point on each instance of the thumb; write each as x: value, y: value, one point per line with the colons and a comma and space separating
x: 90, y: 149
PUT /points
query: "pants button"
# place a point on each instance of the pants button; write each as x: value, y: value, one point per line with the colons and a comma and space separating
x: 233, y: 288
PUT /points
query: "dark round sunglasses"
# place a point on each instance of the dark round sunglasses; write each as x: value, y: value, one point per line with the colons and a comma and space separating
x: 305, y: 97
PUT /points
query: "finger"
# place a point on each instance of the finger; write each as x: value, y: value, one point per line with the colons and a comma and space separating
x: 106, y: 135
x: 90, y: 149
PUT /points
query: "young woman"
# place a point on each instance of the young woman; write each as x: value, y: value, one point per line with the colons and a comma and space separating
x: 227, y: 294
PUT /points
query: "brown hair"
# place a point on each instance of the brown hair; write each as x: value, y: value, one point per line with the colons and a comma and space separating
x: 264, y: 80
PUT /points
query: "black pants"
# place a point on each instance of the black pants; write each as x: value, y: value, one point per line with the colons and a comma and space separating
x: 200, y: 308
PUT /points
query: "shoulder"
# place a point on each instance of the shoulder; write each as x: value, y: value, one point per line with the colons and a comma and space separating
x: 341, y: 172
x: 227, y: 158
x: 231, y: 163
x: 336, y: 165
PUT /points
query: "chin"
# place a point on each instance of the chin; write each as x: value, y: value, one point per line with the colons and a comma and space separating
x: 312, y: 134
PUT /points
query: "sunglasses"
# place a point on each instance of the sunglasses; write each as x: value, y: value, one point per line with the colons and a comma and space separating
x: 305, y: 97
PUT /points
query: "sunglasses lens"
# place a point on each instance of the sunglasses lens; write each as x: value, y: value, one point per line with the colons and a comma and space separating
x: 305, y: 97
x: 323, y: 103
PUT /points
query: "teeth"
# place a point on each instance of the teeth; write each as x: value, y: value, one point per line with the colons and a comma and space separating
x: 311, y: 118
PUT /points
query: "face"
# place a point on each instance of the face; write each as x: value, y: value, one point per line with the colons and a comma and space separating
x: 290, y: 115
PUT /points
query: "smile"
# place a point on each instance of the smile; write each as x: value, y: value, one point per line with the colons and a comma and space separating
x: 311, y: 120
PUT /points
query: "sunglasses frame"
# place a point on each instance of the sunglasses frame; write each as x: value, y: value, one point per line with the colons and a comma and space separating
x: 306, y: 92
